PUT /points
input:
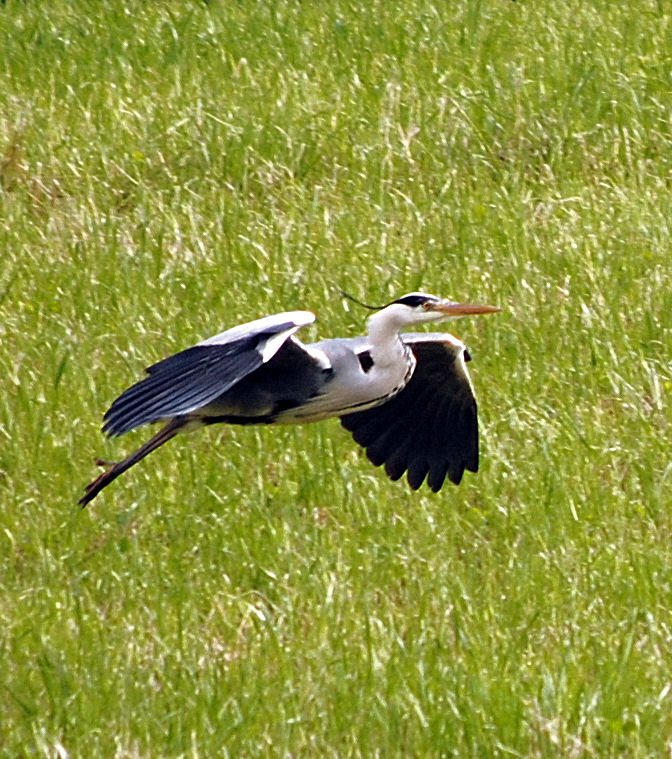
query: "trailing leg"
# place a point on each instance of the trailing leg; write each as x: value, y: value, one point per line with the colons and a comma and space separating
x: 116, y: 468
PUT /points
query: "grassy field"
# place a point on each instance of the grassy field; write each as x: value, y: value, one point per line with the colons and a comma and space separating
x: 171, y: 169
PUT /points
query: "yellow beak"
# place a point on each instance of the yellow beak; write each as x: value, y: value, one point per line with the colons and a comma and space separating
x: 463, y: 309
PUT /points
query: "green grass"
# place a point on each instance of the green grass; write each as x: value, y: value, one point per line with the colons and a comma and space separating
x: 171, y: 169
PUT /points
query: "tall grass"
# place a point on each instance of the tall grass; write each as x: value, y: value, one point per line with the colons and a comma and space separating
x: 170, y: 169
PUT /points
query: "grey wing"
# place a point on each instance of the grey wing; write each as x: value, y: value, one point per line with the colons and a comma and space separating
x: 430, y: 428
x: 192, y: 378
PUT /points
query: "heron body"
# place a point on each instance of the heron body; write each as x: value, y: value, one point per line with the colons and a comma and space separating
x: 406, y: 398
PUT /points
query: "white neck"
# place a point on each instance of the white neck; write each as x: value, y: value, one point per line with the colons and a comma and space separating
x: 384, y: 329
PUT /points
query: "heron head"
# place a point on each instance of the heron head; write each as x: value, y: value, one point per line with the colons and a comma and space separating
x: 422, y: 308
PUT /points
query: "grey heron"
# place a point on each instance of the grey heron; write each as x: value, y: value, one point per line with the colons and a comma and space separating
x: 406, y: 398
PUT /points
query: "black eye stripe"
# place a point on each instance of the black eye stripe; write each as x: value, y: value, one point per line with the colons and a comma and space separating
x: 415, y: 300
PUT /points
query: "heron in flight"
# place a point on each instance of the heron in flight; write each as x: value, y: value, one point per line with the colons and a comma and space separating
x: 406, y: 398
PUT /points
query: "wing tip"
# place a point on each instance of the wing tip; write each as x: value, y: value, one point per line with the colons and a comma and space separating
x: 303, y: 318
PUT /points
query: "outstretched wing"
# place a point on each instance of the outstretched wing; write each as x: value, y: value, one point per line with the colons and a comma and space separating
x: 187, y: 381
x: 430, y: 428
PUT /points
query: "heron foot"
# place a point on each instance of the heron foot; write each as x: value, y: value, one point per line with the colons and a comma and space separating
x: 105, y: 462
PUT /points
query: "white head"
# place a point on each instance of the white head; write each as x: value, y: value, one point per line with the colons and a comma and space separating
x: 422, y: 308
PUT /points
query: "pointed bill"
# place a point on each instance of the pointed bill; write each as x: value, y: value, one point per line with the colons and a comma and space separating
x: 464, y: 309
